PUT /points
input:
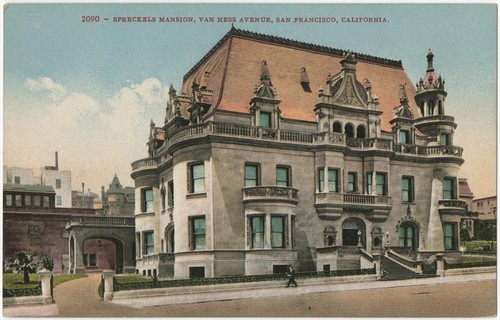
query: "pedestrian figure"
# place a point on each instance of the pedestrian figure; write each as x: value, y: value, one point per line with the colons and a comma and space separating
x: 291, y: 276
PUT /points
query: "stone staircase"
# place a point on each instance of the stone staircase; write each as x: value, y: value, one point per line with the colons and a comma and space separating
x: 394, y: 271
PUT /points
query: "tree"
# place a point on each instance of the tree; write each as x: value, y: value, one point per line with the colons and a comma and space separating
x: 25, y: 263
x: 464, y: 235
x: 485, y: 230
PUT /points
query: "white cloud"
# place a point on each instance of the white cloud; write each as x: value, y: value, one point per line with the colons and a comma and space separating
x: 94, y: 137
x: 54, y: 90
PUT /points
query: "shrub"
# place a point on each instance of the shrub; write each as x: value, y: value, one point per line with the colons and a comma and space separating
x: 25, y: 263
x: 429, y: 267
x: 47, y: 263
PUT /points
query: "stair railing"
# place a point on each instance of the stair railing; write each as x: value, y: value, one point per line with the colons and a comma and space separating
x: 413, y: 265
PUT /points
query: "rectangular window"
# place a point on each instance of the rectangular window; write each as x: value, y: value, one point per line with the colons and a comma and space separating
x: 46, y: 201
x: 147, y: 200
x: 17, y: 180
x: 321, y: 179
x: 90, y: 259
x: 352, y: 182
x: 38, y: 201
x: 257, y: 232
x: 198, y: 232
x: 197, y: 178
x: 449, y: 236
x: 170, y: 193
x: 277, y: 232
x: 149, y: 242
x: 58, y: 183
x: 8, y: 199
x: 448, y: 188
x: 27, y: 200
x: 443, y: 139
x: 19, y: 200
x: 283, y: 176
x: 407, y: 194
x: 369, y: 176
x: 333, y: 181
x: 58, y: 200
x: 404, y: 137
x: 196, y: 272
x: 252, y: 175
x: 33, y: 231
x: 265, y: 119
x: 381, y: 184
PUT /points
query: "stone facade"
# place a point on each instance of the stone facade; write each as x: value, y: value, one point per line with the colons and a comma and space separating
x: 246, y: 180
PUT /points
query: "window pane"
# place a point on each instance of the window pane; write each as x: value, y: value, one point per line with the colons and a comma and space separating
x: 277, y: 232
x: 282, y: 177
x: 58, y: 200
x: 448, y: 189
x: 443, y: 140
x: 258, y: 232
x: 321, y: 177
x: 199, y: 186
x: 332, y: 180
x: 198, y: 178
x: 369, y: 182
x: 148, y: 200
x: 401, y: 236
x: 448, y: 236
x: 405, y: 189
x: 149, y: 242
x: 380, y: 178
x: 199, y: 233
x: 265, y: 119
x: 19, y: 200
x: 198, y: 171
x: 250, y: 176
x: 8, y: 199
x: 403, y: 137
x: 38, y: 201
x: 46, y: 201
x: 27, y: 200
x: 351, y: 182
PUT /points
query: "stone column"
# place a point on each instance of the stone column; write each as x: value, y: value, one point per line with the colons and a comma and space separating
x: 46, y: 289
x: 108, y: 284
x: 376, y: 262
x: 440, y: 264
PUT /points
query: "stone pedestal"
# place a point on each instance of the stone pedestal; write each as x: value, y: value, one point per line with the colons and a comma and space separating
x: 108, y: 284
x: 440, y: 264
x: 45, y: 276
x: 376, y: 262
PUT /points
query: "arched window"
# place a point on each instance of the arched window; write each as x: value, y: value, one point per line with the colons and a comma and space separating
x: 408, y: 236
x: 349, y: 130
x: 337, y: 127
x: 360, y: 132
x: 431, y: 107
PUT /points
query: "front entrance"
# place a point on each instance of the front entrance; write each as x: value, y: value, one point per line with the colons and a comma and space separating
x: 353, y: 232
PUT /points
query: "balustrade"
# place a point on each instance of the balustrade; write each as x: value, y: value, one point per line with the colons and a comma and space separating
x: 333, y: 138
x: 270, y: 193
x: 109, y: 221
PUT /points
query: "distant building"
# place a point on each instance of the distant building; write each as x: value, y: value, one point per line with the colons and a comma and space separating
x: 486, y: 208
x: 31, y: 221
x: 466, y: 194
x: 60, y: 180
x: 118, y: 200
x: 88, y: 200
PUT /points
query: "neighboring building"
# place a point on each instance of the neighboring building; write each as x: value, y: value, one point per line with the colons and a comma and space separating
x: 32, y: 222
x: 60, y: 180
x: 256, y: 169
x: 118, y: 200
x: 485, y: 207
x: 88, y: 200
x: 466, y: 194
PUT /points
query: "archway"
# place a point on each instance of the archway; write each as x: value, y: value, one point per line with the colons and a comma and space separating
x: 349, y: 130
x: 170, y: 238
x: 361, y: 132
x: 103, y: 253
x: 337, y: 127
x: 408, y: 236
x: 350, y: 232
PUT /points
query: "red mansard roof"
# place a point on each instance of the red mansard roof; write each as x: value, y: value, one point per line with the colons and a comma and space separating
x: 234, y: 66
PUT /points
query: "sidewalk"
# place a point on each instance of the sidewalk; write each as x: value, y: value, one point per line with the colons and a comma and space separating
x: 79, y: 297
x: 304, y: 288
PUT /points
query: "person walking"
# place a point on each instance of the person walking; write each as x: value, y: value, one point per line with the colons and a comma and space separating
x: 291, y: 276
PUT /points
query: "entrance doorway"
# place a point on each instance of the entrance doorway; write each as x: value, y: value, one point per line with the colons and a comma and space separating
x: 350, y: 232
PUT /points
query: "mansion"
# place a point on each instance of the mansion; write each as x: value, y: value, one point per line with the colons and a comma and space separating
x: 277, y: 152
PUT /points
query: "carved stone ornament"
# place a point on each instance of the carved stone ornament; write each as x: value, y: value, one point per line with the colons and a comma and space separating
x: 348, y: 95
x: 408, y: 218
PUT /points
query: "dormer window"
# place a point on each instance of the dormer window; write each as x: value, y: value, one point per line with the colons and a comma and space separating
x: 265, y: 119
x: 404, y: 137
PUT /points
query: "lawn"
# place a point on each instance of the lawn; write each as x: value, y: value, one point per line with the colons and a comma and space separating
x: 479, y: 246
x: 467, y: 259
x: 132, y: 278
x: 15, y: 281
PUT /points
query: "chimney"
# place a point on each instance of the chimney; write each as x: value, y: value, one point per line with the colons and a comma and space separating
x: 57, y: 162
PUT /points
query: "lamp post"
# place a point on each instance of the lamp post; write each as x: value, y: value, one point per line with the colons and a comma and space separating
x: 359, y: 239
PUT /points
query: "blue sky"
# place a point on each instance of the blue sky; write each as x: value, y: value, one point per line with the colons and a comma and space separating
x: 89, y: 90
